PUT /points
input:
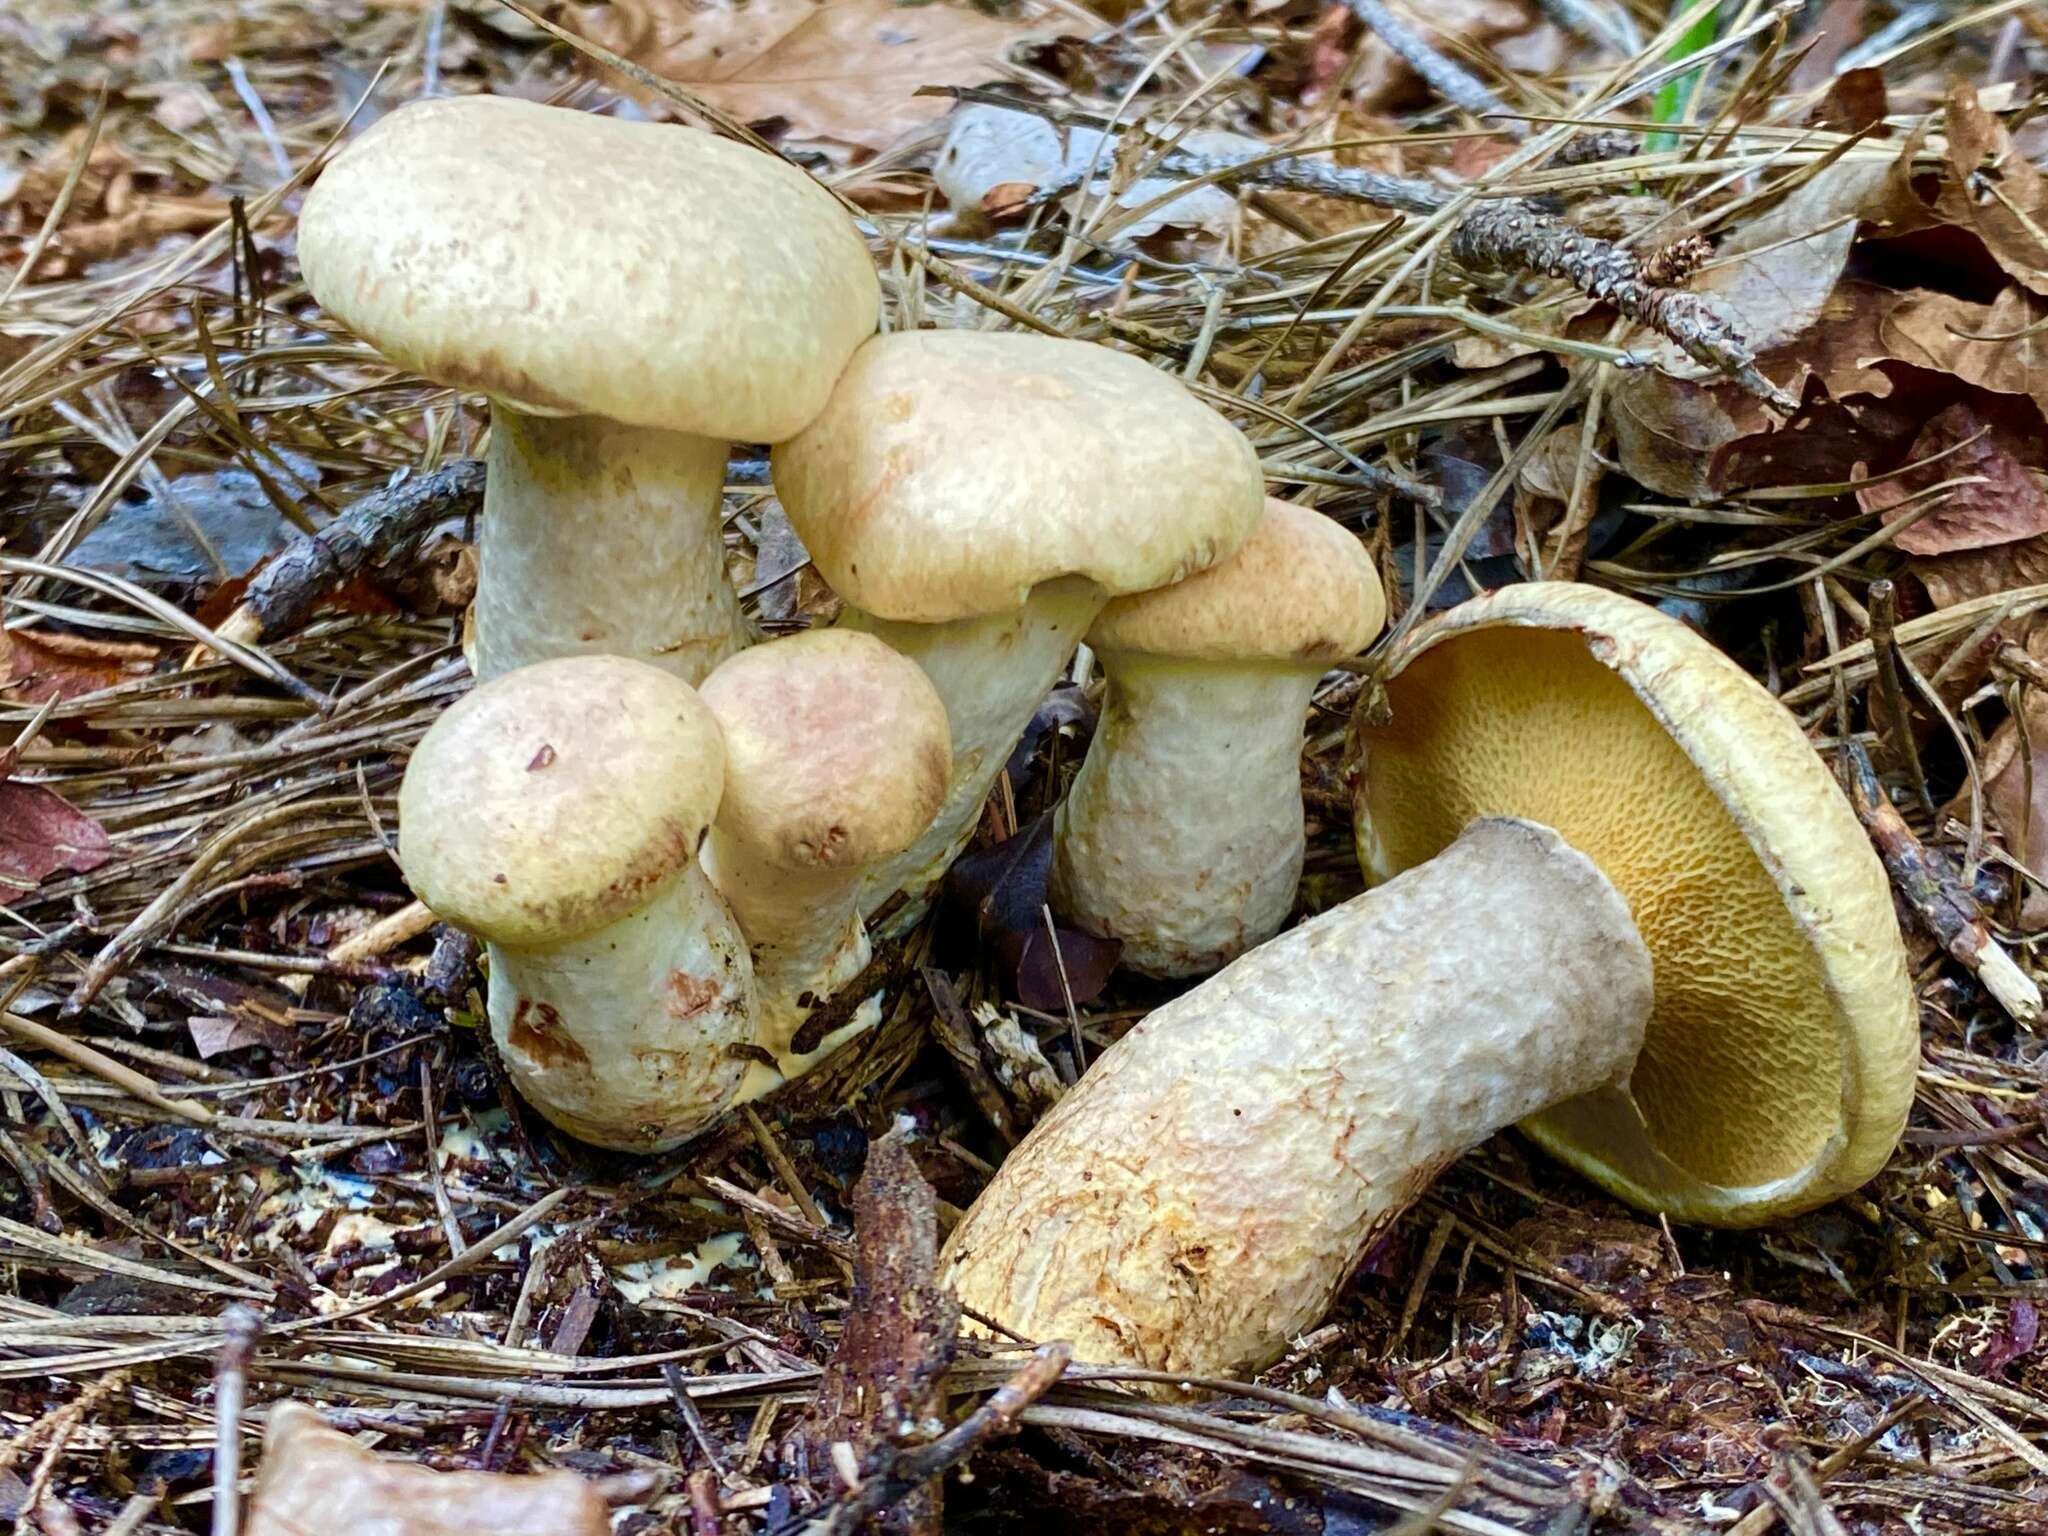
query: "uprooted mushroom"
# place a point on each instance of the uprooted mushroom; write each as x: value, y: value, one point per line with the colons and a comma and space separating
x: 976, y: 497
x: 1182, y: 834
x: 1624, y: 905
x: 555, y: 812
x: 633, y: 297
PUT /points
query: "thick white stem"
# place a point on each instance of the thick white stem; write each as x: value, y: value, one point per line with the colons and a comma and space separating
x: 991, y: 672
x: 806, y: 939
x: 622, y: 1037
x: 1182, y: 834
x: 1198, y: 1199
x: 603, y: 538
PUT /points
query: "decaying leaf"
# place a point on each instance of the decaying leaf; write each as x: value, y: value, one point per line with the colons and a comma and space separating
x: 2000, y: 346
x: 847, y: 71
x: 2002, y: 503
x: 1003, y: 891
x: 42, y: 833
x: 1995, y: 192
x: 39, y: 665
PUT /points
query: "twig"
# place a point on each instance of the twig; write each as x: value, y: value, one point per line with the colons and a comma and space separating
x: 103, y: 1066
x: 1503, y: 235
x: 1896, y: 728
x: 387, y: 932
x: 1944, y: 907
x: 1456, y: 84
x: 443, y: 1206
x: 242, y: 1328
x: 904, y: 1471
x: 1515, y: 236
x: 380, y: 529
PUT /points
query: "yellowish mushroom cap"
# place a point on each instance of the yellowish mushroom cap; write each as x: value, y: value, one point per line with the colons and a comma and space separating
x: 573, y: 264
x: 559, y: 798
x: 953, y: 471
x: 1301, y: 588
x: 1779, y: 1063
x: 837, y: 749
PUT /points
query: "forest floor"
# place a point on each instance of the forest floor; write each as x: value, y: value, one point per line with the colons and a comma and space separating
x: 200, y: 1106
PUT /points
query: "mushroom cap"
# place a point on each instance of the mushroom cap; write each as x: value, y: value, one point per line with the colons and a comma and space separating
x: 953, y: 471
x: 1301, y: 588
x: 571, y: 264
x: 837, y: 749
x: 558, y: 798
x: 1779, y: 1062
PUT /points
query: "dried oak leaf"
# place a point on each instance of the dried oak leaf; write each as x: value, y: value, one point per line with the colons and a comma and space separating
x: 41, y: 834
x: 845, y: 71
x: 2001, y: 503
x: 38, y: 665
x: 1997, y: 346
x: 1995, y: 193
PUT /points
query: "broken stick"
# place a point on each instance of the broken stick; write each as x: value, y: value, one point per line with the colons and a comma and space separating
x: 1937, y: 898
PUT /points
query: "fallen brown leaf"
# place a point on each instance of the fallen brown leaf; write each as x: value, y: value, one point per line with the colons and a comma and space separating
x: 1995, y: 192
x: 38, y: 665
x: 1998, y: 346
x: 845, y: 71
x: 2002, y: 504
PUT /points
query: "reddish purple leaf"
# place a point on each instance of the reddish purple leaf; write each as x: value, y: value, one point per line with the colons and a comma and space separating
x: 42, y: 833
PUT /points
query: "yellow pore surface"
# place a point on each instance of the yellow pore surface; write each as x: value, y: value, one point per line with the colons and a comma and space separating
x: 1741, y: 1079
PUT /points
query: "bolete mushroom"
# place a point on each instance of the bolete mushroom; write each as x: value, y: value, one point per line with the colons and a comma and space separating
x: 555, y: 812
x: 1182, y: 833
x: 633, y: 297
x: 317, y: 1481
x: 836, y: 755
x: 1625, y: 905
x: 976, y: 497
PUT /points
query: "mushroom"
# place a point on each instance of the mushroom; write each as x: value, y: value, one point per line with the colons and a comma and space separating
x: 1182, y: 833
x: 836, y: 755
x: 1624, y: 905
x: 555, y: 812
x: 317, y: 1481
x: 976, y: 497
x: 633, y: 297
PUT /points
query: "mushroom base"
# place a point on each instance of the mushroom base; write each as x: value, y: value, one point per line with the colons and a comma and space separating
x: 991, y: 673
x: 602, y: 538
x: 622, y: 1037
x: 1199, y: 1197
x: 1182, y: 834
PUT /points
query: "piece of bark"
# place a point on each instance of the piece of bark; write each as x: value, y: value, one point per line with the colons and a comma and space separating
x: 884, y: 1389
x: 316, y: 1481
x: 381, y: 530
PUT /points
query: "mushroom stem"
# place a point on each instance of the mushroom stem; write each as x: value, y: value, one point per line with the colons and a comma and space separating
x: 1199, y: 1198
x: 599, y: 537
x: 620, y: 1036
x: 807, y: 940
x: 991, y: 672
x: 1182, y: 834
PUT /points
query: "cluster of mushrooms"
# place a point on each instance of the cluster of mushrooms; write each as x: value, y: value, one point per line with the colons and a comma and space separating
x: 1617, y: 899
